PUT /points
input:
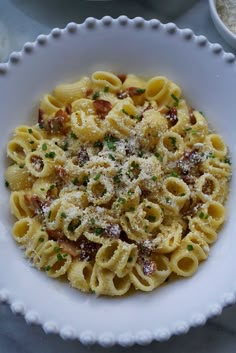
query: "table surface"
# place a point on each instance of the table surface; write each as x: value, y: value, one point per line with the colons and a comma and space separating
x: 22, y: 21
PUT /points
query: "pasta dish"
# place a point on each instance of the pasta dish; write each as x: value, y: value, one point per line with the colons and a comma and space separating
x: 120, y: 184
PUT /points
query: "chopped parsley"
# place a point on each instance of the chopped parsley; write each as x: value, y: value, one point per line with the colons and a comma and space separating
x: 30, y: 131
x: 151, y: 218
x: 42, y: 189
x: 211, y: 155
x: 122, y: 200
x: 130, y: 193
x: 194, y: 132
x: 44, y: 147
x: 56, y: 249
x: 21, y: 166
x: 228, y: 161
x: 203, y: 215
x: 158, y: 156
x: 117, y: 179
x: 125, y: 112
x: 140, y: 90
x: 110, y: 141
x: 49, y: 214
x: 154, y: 178
x: 130, y: 259
x: 138, y: 117
x: 59, y: 257
x: 41, y: 240
x: 63, y: 215
x: 106, y: 89
x: 52, y: 187
x: 96, y: 95
x: 47, y: 268
x: 140, y: 153
x: 111, y: 157
x: 75, y: 181
x: 183, y: 194
x: 98, y: 230
x: 97, y: 176
x: 173, y: 141
x: 50, y: 155
x: 98, y: 144
x: 73, y: 136
x: 174, y: 174
x: 132, y: 209
x: 190, y: 247
x: 176, y: 103
x: 92, y: 221
x: 85, y: 180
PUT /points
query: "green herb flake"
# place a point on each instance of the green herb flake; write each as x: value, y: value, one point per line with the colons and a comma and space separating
x: 98, y: 144
x: 174, y: 174
x: 59, y: 257
x: 106, y: 89
x: 97, y: 176
x: 30, y: 131
x: 75, y: 181
x: 96, y: 95
x: 228, y: 161
x: 168, y: 200
x: 52, y: 187
x: 188, y: 129
x: 63, y: 215
x: 44, y: 147
x: 173, y: 141
x: 117, y: 179
x: 65, y: 255
x: 49, y: 214
x: 42, y: 189
x: 132, y: 209
x: 140, y: 154
x: 110, y: 141
x: 140, y: 90
x: 98, y: 230
x: 85, y: 180
x: 41, y: 240
x: 183, y: 194
x: 130, y: 193
x: 121, y: 200
x: 151, y: 218
x: 206, y: 216
x: 56, y: 249
x: 211, y: 155
x: 111, y: 157
x: 50, y: 155
x: 73, y: 136
x: 167, y: 106
x: 130, y: 259
x: 125, y: 112
x: 21, y: 166
x: 176, y: 103
x: 190, y: 247
x: 201, y: 215
x: 202, y: 114
x: 154, y: 178
x: 92, y: 221
x: 158, y: 156
x: 47, y: 268
x: 138, y: 117
x: 194, y: 132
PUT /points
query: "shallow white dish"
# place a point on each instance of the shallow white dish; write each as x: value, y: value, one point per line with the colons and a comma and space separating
x: 224, y: 31
x: 207, y: 76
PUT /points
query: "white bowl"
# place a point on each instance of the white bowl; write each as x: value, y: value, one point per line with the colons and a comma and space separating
x: 207, y: 76
x: 224, y: 31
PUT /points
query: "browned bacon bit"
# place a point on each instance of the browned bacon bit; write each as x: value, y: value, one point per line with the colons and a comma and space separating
x: 134, y: 91
x: 102, y: 107
x: 122, y: 95
x: 89, y: 92
x: 37, y: 163
x: 88, y: 249
x: 69, y: 247
x: 36, y: 204
x: 112, y: 231
x: 40, y: 118
x: 208, y: 187
x: 61, y: 172
x: 145, y: 248
x: 122, y: 77
x: 172, y: 116
x: 69, y: 109
x: 192, y: 118
x: 191, y: 208
x: 55, y: 234
x: 82, y: 156
x: 149, y: 267
x: 188, y: 179
x: 189, y: 160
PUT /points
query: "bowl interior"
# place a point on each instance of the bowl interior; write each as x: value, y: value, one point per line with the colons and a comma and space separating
x: 208, y: 82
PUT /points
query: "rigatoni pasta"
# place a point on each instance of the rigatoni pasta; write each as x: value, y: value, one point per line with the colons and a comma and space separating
x: 118, y: 185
